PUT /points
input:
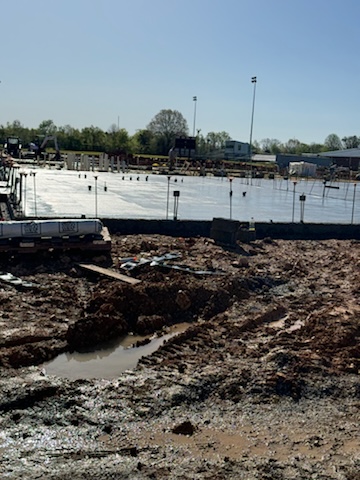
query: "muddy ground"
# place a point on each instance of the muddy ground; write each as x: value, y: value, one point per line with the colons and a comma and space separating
x: 264, y: 384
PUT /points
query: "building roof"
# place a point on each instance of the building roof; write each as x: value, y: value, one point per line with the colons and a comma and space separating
x: 347, y: 153
x: 259, y: 157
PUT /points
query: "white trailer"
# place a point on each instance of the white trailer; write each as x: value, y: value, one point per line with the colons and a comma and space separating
x: 302, y: 169
x: 50, y: 228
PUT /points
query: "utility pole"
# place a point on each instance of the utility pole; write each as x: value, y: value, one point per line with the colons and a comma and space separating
x: 195, y: 101
x: 253, y: 80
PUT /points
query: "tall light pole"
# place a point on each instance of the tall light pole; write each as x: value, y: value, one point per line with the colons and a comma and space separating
x: 195, y: 101
x: 253, y: 80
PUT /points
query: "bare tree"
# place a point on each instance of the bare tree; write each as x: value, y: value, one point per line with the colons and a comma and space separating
x: 271, y: 145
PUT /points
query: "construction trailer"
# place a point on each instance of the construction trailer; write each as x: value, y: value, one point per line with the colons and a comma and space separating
x: 302, y: 169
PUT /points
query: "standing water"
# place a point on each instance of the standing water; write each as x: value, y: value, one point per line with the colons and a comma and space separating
x: 110, y: 361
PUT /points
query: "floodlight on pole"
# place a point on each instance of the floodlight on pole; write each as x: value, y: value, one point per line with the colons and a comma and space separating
x: 253, y: 80
x: 195, y: 101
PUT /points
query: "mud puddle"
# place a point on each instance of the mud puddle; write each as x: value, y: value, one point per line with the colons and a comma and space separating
x: 110, y: 361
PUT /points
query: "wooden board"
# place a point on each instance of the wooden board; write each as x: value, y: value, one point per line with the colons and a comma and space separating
x: 109, y: 273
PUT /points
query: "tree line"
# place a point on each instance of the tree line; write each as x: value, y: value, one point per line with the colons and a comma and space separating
x: 158, y: 137
x: 294, y: 146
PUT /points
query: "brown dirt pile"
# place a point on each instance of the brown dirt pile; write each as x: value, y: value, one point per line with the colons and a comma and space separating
x: 310, y: 288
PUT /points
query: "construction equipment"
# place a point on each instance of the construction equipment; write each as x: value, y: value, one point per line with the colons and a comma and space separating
x: 47, y: 139
x: 40, y: 143
x: 12, y: 146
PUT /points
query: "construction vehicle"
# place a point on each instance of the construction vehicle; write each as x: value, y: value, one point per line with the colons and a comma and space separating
x: 12, y: 146
x: 38, y: 147
x: 47, y: 139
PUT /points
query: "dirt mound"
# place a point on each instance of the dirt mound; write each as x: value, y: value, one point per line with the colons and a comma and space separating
x: 149, y: 306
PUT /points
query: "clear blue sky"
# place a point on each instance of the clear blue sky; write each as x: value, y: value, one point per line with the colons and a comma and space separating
x: 97, y: 62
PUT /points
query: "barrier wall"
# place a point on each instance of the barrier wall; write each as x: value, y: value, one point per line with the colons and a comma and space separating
x: 193, y: 228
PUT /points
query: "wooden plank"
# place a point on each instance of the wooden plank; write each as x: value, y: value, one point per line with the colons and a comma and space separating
x: 109, y: 273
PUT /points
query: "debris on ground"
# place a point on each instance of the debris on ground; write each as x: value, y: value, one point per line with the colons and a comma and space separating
x: 10, y: 279
x: 264, y: 383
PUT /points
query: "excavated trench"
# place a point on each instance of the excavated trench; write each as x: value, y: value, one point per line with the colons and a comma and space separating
x: 151, y: 305
x: 76, y: 314
x: 118, y: 325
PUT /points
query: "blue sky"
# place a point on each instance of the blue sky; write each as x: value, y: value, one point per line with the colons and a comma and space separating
x: 100, y: 62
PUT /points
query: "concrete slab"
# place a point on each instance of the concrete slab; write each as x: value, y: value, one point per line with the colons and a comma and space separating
x: 67, y: 193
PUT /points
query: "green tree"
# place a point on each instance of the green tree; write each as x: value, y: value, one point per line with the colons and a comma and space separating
x: 222, y: 138
x: 271, y: 145
x: 333, y: 142
x: 351, y: 142
x: 216, y: 140
x: 166, y: 126
x: 47, y: 127
x: 212, y: 141
x: 255, y: 147
x: 116, y: 140
x: 143, y: 142
x: 201, y: 144
x: 17, y: 129
x: 69, y: 138
x: 315, y: 148
x: 294, y: 146
x: 93, y: 139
